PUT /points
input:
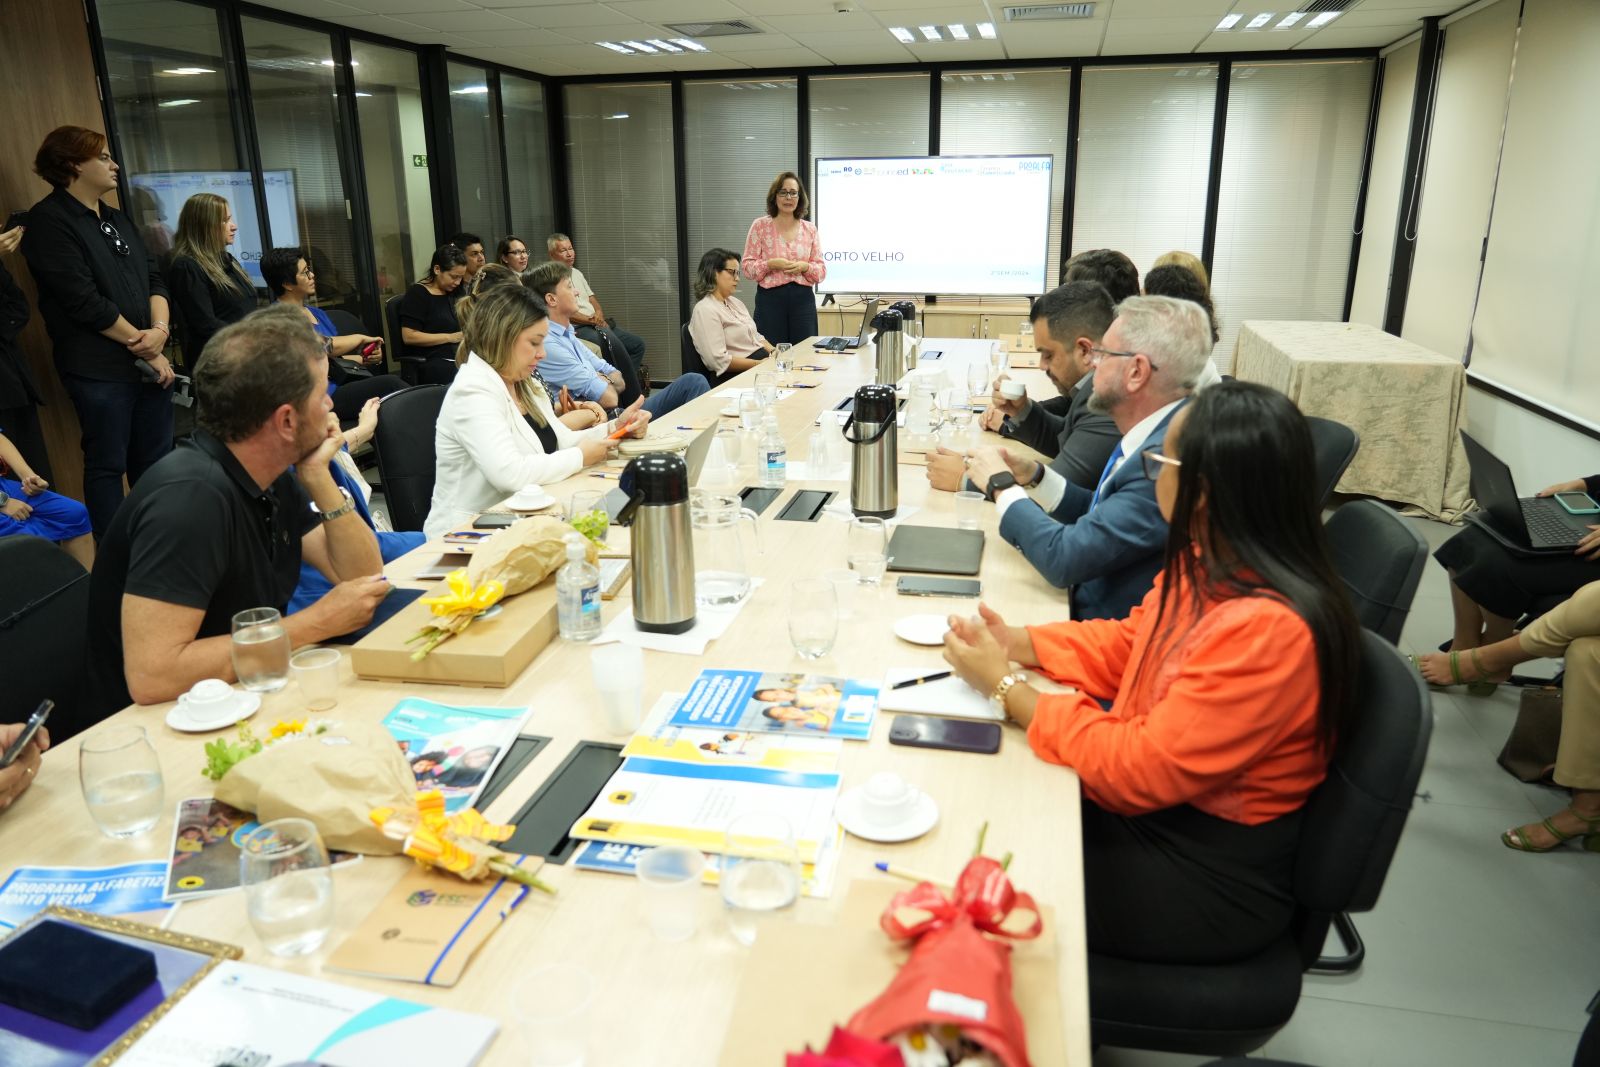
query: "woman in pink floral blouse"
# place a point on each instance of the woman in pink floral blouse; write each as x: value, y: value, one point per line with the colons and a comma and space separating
x: 784, y: 258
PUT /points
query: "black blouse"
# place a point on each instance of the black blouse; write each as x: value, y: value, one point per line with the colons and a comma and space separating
x: 422, y: 311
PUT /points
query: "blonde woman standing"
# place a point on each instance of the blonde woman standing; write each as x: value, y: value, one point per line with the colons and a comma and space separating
x: 208, y: 287
x: 783, y: 256
x: 497, y: 432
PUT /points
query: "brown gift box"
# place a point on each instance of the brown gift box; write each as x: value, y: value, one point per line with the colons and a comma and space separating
x: 492, y: 651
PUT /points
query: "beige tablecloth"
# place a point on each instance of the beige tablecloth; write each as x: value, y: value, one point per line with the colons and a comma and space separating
x: 1405, y: 401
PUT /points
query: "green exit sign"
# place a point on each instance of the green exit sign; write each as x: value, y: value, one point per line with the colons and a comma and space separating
x: 419, y: 161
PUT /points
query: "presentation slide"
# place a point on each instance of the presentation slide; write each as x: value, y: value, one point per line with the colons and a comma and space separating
x: 158, y: 199
x: 966, y: 225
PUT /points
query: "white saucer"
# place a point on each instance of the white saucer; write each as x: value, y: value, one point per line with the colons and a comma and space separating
x: 242, y: 706
x: 530, y: 500
x: 922, y: 818
x: 923, y: 629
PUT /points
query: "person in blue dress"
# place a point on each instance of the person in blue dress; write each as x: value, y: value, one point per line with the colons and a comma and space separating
x: 28, y: 507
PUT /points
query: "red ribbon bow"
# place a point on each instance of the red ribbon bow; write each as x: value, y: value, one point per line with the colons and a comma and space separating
x: 982, y: 893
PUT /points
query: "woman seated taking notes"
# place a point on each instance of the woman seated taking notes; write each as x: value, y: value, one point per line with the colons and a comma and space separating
x: 1230, y: 686
x: 720, y: 326
x: 496, y: 431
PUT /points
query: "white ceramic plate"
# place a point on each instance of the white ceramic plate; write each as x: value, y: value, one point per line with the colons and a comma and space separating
x: 535, y: 499
x: 922, y: 629
x: 918, y: 821
x: 243, y: 705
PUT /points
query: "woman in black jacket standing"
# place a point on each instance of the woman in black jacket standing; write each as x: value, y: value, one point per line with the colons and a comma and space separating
x: 209, y: 289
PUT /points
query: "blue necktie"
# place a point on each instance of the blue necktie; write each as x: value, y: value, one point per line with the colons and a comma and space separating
x: 1105, y: 475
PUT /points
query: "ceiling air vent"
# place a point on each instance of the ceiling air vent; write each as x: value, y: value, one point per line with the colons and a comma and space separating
x: 1318, y: 6
x: 724, y: 28
x: 1049, y: 12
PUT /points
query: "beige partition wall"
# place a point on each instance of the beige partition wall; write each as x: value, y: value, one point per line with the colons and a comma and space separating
x: 50, y: 81
x: 1376, y: 266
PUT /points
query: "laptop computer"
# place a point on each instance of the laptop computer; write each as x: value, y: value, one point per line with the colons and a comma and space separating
x: 694, y: 458
x: 1536, y: 523
x: 845, y: 344
x: 935, y: 550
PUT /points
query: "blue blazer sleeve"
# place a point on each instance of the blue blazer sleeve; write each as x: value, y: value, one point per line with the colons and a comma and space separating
x: 1072, y: 544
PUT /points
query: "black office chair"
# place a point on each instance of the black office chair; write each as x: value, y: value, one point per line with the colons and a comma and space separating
x: 44, y: 609
x: 404, y: 443
x: 410, y: 366
x: 1335, y: 445
x: 1352, y: 823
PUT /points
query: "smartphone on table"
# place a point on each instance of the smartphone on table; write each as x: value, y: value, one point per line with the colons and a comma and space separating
x: 25, y: 738
x: 955, y: 735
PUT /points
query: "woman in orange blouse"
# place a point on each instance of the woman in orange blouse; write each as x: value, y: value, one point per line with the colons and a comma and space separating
x: 783, y: 257
x: 1228, y: 685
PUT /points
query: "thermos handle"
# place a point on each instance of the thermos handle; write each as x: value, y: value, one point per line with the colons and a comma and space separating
x: 864, y: 440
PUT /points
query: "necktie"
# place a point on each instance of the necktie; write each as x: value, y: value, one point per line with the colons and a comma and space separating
x: 1105, y: 475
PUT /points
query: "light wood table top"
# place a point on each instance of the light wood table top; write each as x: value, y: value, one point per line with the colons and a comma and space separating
x: 664, y: 1004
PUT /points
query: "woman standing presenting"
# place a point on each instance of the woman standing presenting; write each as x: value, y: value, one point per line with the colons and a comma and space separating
x: 783, y: 256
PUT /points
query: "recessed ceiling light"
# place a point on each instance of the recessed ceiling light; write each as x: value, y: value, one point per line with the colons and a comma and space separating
x: 1323, y: 19
x: 903, y: 35
x: 664, y: 46
x: 639, y: 46
x: 986, y: 31
x: 615, y: 47
x: 930, y: 33
x: 693, y: 46
x: 958, y: 32
x: 189, y: 70
x: 1229, y: 21
x: 1259, y: 21
x: 178, y: 103
x: 1290, y: 19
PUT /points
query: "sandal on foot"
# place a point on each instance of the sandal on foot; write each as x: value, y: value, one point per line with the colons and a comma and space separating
x: 1516, y: 838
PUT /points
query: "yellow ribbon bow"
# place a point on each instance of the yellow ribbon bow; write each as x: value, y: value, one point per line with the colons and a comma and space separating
x: 463, y: 597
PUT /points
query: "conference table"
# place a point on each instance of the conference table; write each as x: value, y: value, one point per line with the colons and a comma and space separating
x: 669, y: 1003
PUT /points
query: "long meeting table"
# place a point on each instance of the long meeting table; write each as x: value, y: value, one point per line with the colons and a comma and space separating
x: 667, y: 1003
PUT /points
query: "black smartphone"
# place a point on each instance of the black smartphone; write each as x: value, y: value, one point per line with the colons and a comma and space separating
x: 955, y: 735
x: 913, y: 585
x: 494, y: 521
x: 36, y: 720
x: 15, y: 219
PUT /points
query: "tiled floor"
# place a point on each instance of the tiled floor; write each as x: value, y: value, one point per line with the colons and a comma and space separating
x: 1476, y: 955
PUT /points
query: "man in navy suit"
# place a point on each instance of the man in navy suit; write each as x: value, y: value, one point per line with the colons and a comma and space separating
x: 1106, y: 544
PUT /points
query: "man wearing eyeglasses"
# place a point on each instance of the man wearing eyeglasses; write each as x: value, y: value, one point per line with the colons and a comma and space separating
x: 1105, y: 544
x: 105, y: 306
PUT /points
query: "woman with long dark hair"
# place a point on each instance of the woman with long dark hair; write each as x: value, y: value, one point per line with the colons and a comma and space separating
x: 1229, y: 687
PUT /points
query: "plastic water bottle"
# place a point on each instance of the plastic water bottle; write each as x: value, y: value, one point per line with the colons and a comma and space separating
x: 774, y: 454
x: 578, y: 593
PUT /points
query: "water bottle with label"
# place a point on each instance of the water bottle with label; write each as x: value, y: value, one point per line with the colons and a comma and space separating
x: 774, y: 454
x: 578, y: 593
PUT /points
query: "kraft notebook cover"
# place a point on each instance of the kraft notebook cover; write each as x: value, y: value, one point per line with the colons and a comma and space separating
x: 429, y: 926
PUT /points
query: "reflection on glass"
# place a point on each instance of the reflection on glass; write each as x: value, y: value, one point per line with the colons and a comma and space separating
x: 476, y: 129
x: 527, y: 162
x: 394, y: 151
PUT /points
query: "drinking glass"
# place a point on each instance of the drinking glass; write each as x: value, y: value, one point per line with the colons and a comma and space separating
x: 288, y: 886
x: 867, y: 548
x: 316, y: 672
x: 978, y: 382
x: 813, y: 617
x: 260, y: 650
x: 760, y: 873
x: 121, y: 780
x: 783, y: 361
x: 552, y: 1005
x: 766, y: 390
x: 749, y: 411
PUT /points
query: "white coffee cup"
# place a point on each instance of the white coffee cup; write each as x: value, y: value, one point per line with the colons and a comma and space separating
x: 887, y: 799
x: 1013, y: 390
x: 208, y: 696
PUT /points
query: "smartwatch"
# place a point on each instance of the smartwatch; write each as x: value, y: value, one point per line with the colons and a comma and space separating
x: 999, y: 483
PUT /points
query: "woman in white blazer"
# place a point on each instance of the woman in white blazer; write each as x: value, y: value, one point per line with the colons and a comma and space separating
x: 497, y: 432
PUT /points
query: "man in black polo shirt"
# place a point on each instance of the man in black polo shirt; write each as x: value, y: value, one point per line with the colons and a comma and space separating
x: 220, y: 525
x: 103, y: 301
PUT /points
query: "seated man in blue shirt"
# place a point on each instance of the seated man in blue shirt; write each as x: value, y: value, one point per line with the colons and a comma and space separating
x: 569, y: 365
x: 1106, y: 545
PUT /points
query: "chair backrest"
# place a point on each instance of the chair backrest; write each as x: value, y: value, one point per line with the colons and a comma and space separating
x: 1335, y: 445
x: 1380, y: 559
x: 1354, y: 818
x: 404, y: 443
x: 44, y: 615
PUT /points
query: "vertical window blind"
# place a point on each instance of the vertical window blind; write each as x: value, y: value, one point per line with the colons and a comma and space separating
x: 476, y: 130
x: 1011, y: 113
x: 1375, y: 268
x: 1291, y: 168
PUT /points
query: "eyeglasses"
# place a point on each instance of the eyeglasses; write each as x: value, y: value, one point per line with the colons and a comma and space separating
x: 118, y: 245
x: 1098, y: 353
x: 1153, y: 461
x: 789, y: 194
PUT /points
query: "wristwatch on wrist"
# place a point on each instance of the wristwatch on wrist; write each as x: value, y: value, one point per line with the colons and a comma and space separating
x: 999, y: 483
x: 1038, y: 476
x: 1002, y: 688
x: 339, y: 512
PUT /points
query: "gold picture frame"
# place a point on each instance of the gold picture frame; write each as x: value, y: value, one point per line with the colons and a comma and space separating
x: 213, y: 951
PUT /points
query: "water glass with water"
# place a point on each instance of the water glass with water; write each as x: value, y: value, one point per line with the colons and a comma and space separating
x: 260, y: 650
x: 867, y: 548
x: 760, y: 873
x: 813, y: 617
x: 121, y: 780
x: 288, y: 886
x: 783, y: 361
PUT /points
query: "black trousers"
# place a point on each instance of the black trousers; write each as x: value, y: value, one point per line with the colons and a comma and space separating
x: 786, y: 313
x: 1182, y: 886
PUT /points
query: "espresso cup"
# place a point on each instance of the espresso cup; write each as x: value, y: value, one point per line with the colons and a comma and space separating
x: 1013, y: 390
x: 888, y: 799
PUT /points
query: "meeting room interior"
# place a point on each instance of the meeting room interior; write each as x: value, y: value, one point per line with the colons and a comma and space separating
x: 813, y: 533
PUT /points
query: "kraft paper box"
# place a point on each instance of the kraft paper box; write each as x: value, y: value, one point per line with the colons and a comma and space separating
x: 493, y: 651
x: 801, y: 980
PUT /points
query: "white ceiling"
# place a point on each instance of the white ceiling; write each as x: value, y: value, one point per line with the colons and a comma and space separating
x: 557, y: 37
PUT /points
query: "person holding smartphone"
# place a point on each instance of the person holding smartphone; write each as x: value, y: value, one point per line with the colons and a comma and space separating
x: 17, y: 776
